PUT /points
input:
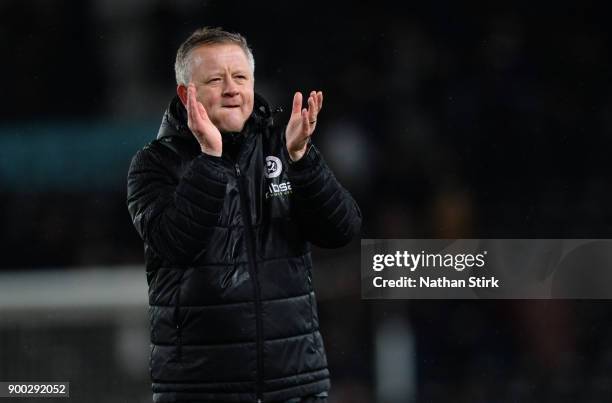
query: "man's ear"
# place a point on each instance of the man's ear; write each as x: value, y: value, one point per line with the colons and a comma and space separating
x: 181, y: 91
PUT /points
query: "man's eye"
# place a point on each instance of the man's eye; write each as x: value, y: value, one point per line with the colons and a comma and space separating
x: 241, y: 77
x: 214, y: 80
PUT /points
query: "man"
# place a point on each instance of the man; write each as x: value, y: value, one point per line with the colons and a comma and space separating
x: 227, y: 204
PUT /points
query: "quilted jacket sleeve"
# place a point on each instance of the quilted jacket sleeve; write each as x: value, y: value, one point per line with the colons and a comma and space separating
x: 175, y: 218
x: 326, y: 212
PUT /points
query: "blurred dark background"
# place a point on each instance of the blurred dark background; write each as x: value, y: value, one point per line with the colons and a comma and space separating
x: 443, y: 120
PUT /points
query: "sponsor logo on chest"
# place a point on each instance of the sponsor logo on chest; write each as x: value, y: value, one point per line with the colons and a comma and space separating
x: 272, y: 170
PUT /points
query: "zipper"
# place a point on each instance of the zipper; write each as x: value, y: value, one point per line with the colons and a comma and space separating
x: 246, y: 216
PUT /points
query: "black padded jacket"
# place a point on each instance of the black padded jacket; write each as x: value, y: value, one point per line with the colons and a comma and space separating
x: 232, y: 309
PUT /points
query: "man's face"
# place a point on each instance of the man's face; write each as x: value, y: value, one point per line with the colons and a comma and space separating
x: 224, y: 84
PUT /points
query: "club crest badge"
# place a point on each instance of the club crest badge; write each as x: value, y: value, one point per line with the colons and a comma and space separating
x: 274, y: 166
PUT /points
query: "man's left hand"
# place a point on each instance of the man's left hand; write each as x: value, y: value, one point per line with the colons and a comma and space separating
x: 302, y: 123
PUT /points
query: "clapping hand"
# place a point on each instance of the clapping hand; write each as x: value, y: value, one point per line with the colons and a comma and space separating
x: 302, y: 123
x: 200, y: 125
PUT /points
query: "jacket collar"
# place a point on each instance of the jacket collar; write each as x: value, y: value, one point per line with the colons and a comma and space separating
x: 174, y: 122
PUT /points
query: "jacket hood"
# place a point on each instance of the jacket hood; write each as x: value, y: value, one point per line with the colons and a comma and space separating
x: 174, y: 122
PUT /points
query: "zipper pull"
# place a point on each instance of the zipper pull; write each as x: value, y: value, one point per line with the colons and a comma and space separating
x: 238, y: 174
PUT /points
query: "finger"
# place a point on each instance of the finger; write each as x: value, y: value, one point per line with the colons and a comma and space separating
x: 305, y: 121
x: 313, y: 95
x: 191, y: 100
x: 312, y: 110
x: 315, y: 98
x: 194, y: 109
x: 297, y: 103
x: 188, y: 104
x: 189, y: 108
x: 320, y: 100
x: 203, y: 113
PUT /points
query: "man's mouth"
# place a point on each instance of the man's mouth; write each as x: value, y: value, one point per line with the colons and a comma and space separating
x: 231, y: 106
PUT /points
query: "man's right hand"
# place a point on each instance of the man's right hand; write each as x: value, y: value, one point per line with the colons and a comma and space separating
x: 200, y: 125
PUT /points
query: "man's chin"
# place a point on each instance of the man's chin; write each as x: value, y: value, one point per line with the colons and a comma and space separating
x: 231, y: 127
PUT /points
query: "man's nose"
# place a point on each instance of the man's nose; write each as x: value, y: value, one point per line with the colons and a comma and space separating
x: 231, y: 88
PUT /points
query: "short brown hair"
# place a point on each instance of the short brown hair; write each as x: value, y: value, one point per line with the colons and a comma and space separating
x: 206, y: 36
